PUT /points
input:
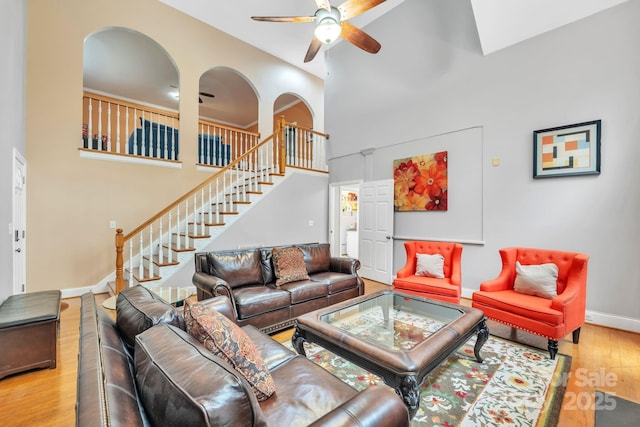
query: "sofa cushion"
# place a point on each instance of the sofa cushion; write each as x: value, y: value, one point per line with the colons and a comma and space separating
x: 138, y: 309
x: 430, y: 265
x: 272, y: 352
x: 226, y: 340
x: 337, y: 282
x: 539, y: 280
x: 254, y: 300
x: 237, y: 268
x: 305, y: 290
x: 427, y: 285
x: 181, y: 383
x: 317, y: 257
x: 305, y: 393
x: 266, y: 259
x: 288, y: 264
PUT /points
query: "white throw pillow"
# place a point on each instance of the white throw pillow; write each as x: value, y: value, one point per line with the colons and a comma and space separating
x: 430, y: 265
x: 539, y: 280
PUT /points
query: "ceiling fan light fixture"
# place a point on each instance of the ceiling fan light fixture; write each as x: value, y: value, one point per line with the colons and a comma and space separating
x: 327, y: 30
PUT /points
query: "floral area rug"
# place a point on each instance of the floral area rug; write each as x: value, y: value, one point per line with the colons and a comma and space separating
x: 516, y: 385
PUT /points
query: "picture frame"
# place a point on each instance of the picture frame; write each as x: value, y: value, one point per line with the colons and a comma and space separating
x: 567, y: 150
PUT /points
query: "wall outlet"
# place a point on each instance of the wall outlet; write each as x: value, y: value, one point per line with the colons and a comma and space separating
x: 112, y: 224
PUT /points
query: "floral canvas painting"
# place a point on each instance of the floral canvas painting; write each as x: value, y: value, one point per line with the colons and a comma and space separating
x: 420, y: 183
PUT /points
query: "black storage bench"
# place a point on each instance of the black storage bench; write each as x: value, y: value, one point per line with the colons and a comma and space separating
x: 29, y: 326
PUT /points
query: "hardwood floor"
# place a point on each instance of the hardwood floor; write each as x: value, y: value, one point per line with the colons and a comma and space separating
x: 606, y: 359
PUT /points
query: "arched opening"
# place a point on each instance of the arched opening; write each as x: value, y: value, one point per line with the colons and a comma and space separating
x: 228, y: 110
x: 293, y: 109
x: 131, y: 95
x: 304, y: 147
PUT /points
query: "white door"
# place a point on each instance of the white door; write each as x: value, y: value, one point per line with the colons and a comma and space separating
x: 18, y: 229
x: 376, y: 230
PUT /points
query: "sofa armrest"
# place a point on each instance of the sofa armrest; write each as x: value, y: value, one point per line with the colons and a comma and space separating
x: 344, y: 265
x: 222, y: 304
x: 373, y: 406
x: 572, y: 302
x: 214, y: 286
x: 505, y: 279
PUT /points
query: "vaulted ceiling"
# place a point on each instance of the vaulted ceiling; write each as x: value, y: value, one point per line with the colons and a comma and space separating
x: 499, y: 24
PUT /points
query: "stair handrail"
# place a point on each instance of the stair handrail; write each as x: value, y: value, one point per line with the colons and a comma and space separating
x: 121, y: 239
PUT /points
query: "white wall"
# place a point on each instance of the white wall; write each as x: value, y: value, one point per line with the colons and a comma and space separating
x: 12, y: 81
x: 430, y: 78
x: 280, y: 218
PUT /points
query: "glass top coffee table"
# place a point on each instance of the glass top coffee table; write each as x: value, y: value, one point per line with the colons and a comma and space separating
x: 399, y: 337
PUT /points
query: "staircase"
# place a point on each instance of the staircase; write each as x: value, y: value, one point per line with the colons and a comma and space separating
x: 162, y: 245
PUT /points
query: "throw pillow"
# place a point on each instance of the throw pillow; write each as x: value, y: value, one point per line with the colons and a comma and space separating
x: 226, y: 340
x: 430, y: 265
x: 288, y: 265
x: 539, y: 280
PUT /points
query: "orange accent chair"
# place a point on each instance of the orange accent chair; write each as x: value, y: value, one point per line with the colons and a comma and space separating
x: 446, y: 289
x: 552, y: 318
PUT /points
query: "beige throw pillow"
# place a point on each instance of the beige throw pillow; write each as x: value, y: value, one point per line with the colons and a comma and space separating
x: 539, y: 280
x: 430, y: 265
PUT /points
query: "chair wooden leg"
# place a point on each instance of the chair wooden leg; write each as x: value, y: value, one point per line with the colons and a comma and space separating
x: 553, y: 348
x: 576, y: 336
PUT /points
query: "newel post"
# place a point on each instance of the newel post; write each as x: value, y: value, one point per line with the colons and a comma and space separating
x: 282, y: 149
x: 119, y: 261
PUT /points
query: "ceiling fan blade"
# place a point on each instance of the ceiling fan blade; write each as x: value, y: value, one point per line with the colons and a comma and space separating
x: 314, y: 47
x: 359, y: 38
x: 284, y: 18
x: 323, y: 4
x: 351, y: 8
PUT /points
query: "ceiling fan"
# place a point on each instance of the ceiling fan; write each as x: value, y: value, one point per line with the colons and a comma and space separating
x: 208, y: 95
x: 331, y: 22
x: 205, y: 94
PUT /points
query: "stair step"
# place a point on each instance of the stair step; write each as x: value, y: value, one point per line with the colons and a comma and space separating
x: 182, y: 249
x: 165, y: 261
x: 148, y: 277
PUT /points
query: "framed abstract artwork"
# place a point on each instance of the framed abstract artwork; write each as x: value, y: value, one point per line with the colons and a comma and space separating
x: 420, y: 183
x: 567, y: 150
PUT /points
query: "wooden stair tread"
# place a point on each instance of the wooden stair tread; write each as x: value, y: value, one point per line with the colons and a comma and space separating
x: 165, y: 263
x: 181, y: 249
x: 134, y: 274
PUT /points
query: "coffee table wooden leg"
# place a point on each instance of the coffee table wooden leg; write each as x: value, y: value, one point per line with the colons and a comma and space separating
x: 410, y: 394
x: 483, y: 336
x: 298, y: 340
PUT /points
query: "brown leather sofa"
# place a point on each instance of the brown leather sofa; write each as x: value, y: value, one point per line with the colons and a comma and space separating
x: 170, y: 379
x: 246, y: 277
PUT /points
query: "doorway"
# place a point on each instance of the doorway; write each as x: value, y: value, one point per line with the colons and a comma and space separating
x: 344, y: 217
x: 18, y: 227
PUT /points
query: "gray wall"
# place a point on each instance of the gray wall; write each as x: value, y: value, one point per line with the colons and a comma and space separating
x: 430, y: 79
x: 12, y: 78
x: 280, y: 218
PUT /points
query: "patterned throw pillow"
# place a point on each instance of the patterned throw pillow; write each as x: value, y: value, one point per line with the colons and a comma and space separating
x: 288, y: 265
x: 226, y: 340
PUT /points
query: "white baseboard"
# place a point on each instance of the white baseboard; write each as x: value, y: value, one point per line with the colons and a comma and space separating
x: 76, y: 292
x: 595, y: 317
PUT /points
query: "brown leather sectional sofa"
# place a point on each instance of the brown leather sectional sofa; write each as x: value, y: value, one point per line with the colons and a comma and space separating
x: 246, y: 277
x: 168, y: 378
